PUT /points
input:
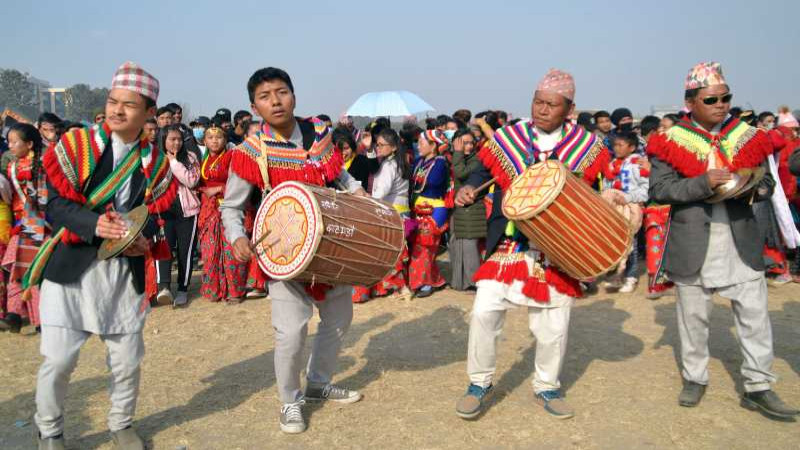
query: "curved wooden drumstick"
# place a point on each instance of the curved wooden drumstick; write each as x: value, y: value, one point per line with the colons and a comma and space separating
x: 269, y: 243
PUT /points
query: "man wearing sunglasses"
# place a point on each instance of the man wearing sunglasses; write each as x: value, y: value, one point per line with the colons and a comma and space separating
x: 716, y: 247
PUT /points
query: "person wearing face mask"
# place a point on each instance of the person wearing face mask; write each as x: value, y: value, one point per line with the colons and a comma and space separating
x: 49, y: 126
x: 766, y: 121
x: 390, y: 185
x: 716, y: 247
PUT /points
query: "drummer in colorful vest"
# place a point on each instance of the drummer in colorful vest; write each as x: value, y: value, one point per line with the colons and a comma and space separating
x: 94, y: 175
x: 716, y: 247
x: 292, y: 149
x: 516, y: 274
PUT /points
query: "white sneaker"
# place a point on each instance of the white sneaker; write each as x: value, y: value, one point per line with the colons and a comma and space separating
x: 164, y: 297
x: 628, y: 286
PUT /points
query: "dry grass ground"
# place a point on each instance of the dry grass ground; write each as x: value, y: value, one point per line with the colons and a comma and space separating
x: 208, y: 381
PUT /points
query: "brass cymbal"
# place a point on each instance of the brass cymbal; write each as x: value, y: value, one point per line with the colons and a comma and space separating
x: 136, y: 220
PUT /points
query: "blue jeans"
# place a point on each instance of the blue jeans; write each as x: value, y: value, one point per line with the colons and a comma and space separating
x: 633, y: 258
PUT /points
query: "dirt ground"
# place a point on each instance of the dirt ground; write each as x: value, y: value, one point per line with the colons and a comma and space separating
x: 208, y: 381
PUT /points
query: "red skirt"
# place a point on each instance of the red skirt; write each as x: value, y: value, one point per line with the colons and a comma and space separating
x: 395, y: 281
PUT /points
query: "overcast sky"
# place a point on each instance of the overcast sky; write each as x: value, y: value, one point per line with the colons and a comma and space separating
x: 476, y: 55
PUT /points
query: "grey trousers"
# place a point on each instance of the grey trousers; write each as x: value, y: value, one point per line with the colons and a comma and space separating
x: 749, y: 304
x: 60, y: 348
x: 292, y: 308
x: 465, y: 259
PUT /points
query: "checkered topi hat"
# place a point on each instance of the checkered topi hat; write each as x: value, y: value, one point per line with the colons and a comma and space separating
x: 131, y: 77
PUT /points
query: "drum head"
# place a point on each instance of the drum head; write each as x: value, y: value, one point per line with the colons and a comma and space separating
x: 534, y: 190
x: 136, y: 220
x: 291, y: 215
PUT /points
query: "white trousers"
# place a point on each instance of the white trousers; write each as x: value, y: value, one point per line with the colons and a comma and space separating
x: 750, y: 313
x: 60, y: 348
x: 549, y: 325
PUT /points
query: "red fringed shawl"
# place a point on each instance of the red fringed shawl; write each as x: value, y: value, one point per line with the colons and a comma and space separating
x: 687, y: 147
x: 70, y: 163
x: 287, y: 162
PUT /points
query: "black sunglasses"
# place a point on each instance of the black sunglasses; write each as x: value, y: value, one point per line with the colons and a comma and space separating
x: 713, y: 100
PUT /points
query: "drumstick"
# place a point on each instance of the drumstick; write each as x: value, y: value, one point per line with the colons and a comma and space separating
x: 484, y: 186
x: 264, y: 236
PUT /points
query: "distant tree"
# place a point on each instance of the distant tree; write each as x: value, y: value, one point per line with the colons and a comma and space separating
x: 17, y: 93
x: 82, y: 102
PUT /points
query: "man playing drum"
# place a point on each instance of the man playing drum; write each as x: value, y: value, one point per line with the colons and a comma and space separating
x: 517, y: 274
x: 291, y: 149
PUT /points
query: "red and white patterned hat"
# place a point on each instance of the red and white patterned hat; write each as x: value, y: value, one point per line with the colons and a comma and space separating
x: 558, y: 82
x: 131, y: 77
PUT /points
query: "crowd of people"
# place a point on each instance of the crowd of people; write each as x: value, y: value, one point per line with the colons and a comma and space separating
x: 203, y: 184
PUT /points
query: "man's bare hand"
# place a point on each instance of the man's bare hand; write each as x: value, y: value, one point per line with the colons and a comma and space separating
x: 717, y: 177
x: 138, y: 247
x: 465, y: 196
x: 110, y: 226
x: 361, y: 193
x: 242, y: 249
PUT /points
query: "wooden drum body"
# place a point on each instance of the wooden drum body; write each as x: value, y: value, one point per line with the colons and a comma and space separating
x: 320, y: 235
x: 578, y: 231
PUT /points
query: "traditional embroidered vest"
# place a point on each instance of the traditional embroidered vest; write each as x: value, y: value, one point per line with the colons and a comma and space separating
x: 514, y: 147
x: 687, y: 147
x: 268, y: 159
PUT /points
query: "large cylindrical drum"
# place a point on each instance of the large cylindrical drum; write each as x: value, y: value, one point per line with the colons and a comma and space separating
x: 320, y: 235
x: 575, y: 228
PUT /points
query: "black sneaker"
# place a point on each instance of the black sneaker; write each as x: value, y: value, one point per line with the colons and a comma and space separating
x: 292, y: 420
x: 12, y: 322
x: 331, y: 392
x: 768, y: 402
x: 691, y: 394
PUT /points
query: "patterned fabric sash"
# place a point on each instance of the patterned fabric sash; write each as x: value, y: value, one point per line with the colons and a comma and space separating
x: 513, y: 148
x: 100, y: 195
x: 77, y: 157
x: 33, y: 218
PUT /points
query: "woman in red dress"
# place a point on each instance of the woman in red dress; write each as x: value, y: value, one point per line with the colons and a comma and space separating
x: 224, y: 278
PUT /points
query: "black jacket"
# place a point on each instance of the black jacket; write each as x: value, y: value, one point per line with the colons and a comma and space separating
x: 362, y: 167
x: 496, y: 225
x: 69, y: 262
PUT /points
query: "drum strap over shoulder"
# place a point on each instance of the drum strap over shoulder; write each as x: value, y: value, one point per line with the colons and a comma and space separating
x: 263, y: 167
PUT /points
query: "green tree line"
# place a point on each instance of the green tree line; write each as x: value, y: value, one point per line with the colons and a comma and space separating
x: 18, y: 93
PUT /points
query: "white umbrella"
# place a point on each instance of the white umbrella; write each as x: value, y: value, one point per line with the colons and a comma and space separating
x: 388, y: 103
